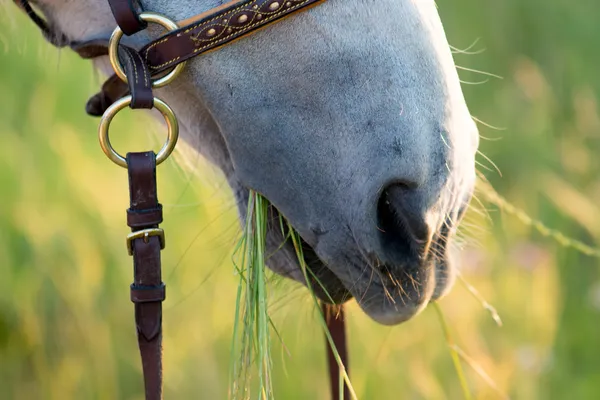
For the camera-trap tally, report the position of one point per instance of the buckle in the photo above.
(145, 234)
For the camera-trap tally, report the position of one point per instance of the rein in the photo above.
(137, 72)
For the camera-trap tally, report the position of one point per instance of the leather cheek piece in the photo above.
(138, 78)
(126, 16)
(139, 82)
(142, 181)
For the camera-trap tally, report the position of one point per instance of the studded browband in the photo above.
(196, 35)
(206, 32)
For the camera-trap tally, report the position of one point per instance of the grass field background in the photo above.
(66, 329)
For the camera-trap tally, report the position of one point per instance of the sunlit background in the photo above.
(66, 321)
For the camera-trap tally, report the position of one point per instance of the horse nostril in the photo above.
(400, 221)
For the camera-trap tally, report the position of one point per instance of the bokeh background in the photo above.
(66, 329)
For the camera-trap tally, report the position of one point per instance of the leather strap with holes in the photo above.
(147, 290)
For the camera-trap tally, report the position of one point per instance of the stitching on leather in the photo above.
(144, 69)
(130, 58)
(270, 16)
(241, 31)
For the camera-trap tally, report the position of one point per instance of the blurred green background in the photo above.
(66, 329)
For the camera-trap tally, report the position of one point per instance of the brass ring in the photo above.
(115, 38)
(109, 114)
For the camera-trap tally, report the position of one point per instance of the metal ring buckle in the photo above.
(109, 114)
(145, 234)
(115, 38)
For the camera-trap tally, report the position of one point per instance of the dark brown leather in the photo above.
(138, 78)
(126, 16)
(148, 295)
(141, 218)
(147, 290)
(217, 29)
(336, 323)
(196, 37)
(112, 90)
(138, 83)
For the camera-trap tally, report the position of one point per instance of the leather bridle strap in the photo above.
(126, 15)
(145, 244)
(216, 28)
(138, 78)
(198, 35)
(336, 324)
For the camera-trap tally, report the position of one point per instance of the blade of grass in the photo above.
(455, 358)
(322, 322)
(264, 352)
(487, 191)
(480, 371)
(475, 293)
(251, 313)
(239, 370)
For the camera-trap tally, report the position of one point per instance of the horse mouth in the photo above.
(388, 293)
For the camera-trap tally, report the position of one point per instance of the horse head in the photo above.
(349, 118)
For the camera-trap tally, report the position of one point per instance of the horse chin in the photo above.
(389, 298)
(399, 296)
(390, 294)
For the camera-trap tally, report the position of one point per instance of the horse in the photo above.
(349, 118)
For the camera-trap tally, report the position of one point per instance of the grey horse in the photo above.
(349, 118)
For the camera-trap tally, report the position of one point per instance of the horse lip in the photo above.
(393, 293)
(401, 290)
(365, 285)
(353, 279)
(392, 317)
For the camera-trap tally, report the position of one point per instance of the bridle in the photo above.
(137, 72)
